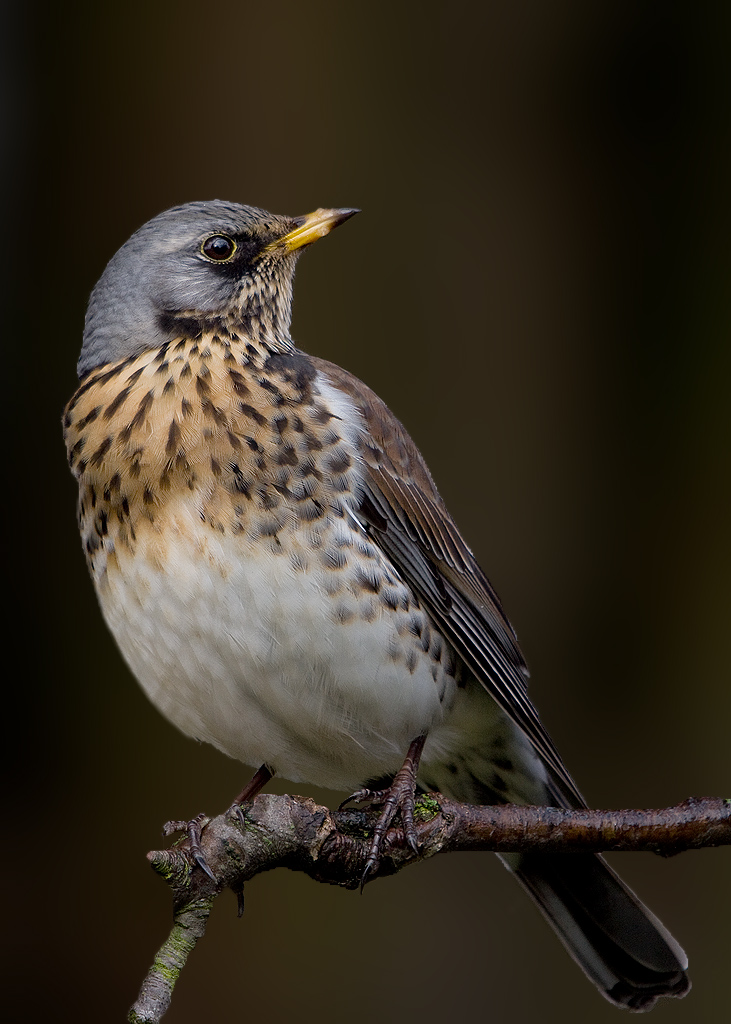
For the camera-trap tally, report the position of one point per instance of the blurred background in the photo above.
(539, 287)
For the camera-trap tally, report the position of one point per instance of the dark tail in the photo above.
(620, 945)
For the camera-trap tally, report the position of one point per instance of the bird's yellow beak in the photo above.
(309, 228)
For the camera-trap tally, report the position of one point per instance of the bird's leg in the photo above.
(397, 799)
(257, 782)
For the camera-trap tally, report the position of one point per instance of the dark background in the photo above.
(539, 287)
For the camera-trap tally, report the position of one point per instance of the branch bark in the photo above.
(331, 846)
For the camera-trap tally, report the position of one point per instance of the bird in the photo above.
(273, 558)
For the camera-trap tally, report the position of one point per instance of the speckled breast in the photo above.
(245, 436)
(218, 488)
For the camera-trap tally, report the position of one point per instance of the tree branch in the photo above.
(331, 846)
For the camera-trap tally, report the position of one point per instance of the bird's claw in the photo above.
(364, 796)
(194, 829)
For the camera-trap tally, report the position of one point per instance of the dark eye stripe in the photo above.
(218, 248)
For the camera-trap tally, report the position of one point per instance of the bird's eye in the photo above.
(218, 248)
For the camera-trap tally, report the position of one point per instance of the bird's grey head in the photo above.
(207, 264)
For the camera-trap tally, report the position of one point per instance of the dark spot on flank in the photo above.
(391, 599)
(125, 507)
(393, 649)
(334, 558)
(425, 638)
(173, 442)
(416, 625)
(340, 483)
(148, 496)
(116, 402)
(241, 484)
(139, 417)
(269, 500)
(437, 647)
(339, 461)
(125, 433)
(344, 615)
(253, 444)
(98, 456)
(268, 385)
(311, 443)
(90, 417)
(308, 468)
(503, 763)
(238, 382)
(286, 456)
(209, 409)
(321, 414)
(298, 561)
(162, 353)
(252, 413)
(106, 375)
(280, 422)
(303, 490)
(77, 448)
(202, 386)
(233, 440)
(186, 407)
(369, 580)
(310, 511)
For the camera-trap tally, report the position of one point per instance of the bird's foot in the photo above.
(397, 799)
(194, 829)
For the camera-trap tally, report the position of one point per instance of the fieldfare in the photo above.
(273, 558)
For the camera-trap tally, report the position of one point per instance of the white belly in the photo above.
(279, 658)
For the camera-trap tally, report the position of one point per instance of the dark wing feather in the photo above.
(411, 524)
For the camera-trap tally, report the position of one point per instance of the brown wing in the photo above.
(411, 524)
